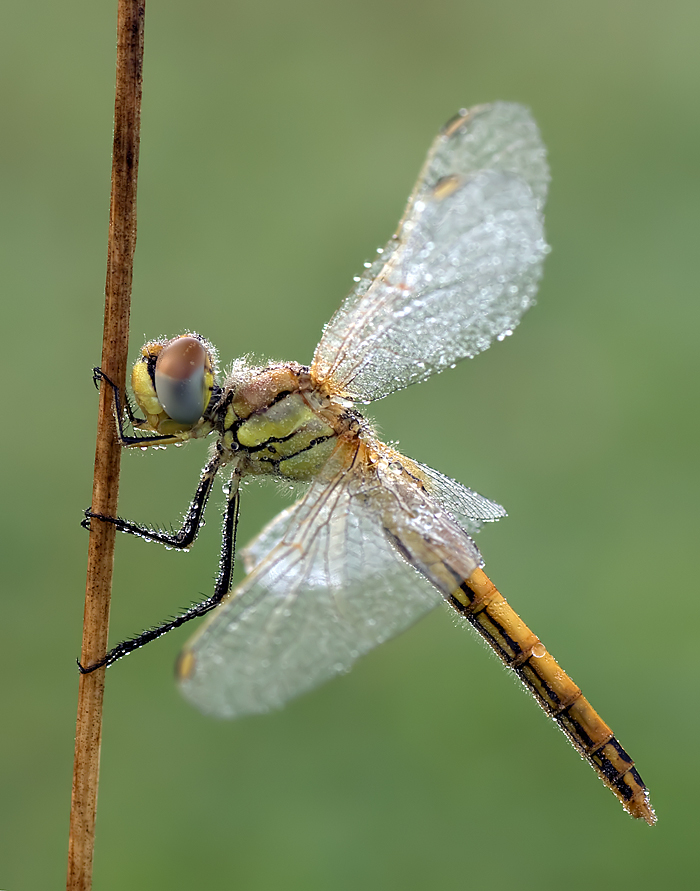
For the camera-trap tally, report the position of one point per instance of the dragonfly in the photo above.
(378, 539)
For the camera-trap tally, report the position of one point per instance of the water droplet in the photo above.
(539, 650)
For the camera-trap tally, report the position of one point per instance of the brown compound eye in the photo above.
(183, 379)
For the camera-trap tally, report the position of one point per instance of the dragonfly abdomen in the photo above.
(480, 602)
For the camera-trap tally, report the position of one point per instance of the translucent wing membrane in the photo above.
(329, 587)
(470, 509)
(462, 268)
(330, 578)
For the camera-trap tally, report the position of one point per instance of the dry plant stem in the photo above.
(120, 253)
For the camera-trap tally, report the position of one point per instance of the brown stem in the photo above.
(120, 254)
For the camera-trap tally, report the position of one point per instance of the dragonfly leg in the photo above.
(221, 588)
(120, 410)
(187, 533)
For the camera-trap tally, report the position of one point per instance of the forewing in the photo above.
(462, 268)
(329, 588)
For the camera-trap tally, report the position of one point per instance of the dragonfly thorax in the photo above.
(276, 423)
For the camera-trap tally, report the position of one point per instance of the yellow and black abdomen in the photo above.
(479, 601)
(287, 438)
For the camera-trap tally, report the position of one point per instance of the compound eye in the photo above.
(182, 379)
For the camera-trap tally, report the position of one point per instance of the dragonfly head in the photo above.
(173, 382)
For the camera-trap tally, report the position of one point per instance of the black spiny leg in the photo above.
(221, 588)
(185, 536)
(137, 423)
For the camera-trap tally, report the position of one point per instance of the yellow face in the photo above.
(173, 382)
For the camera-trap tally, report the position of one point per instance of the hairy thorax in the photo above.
(276, 422)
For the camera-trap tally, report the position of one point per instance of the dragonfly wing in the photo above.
(329, 588)
(470, 509)
(270, 536)
(462, 268)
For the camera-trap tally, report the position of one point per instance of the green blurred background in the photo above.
(279, 143)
